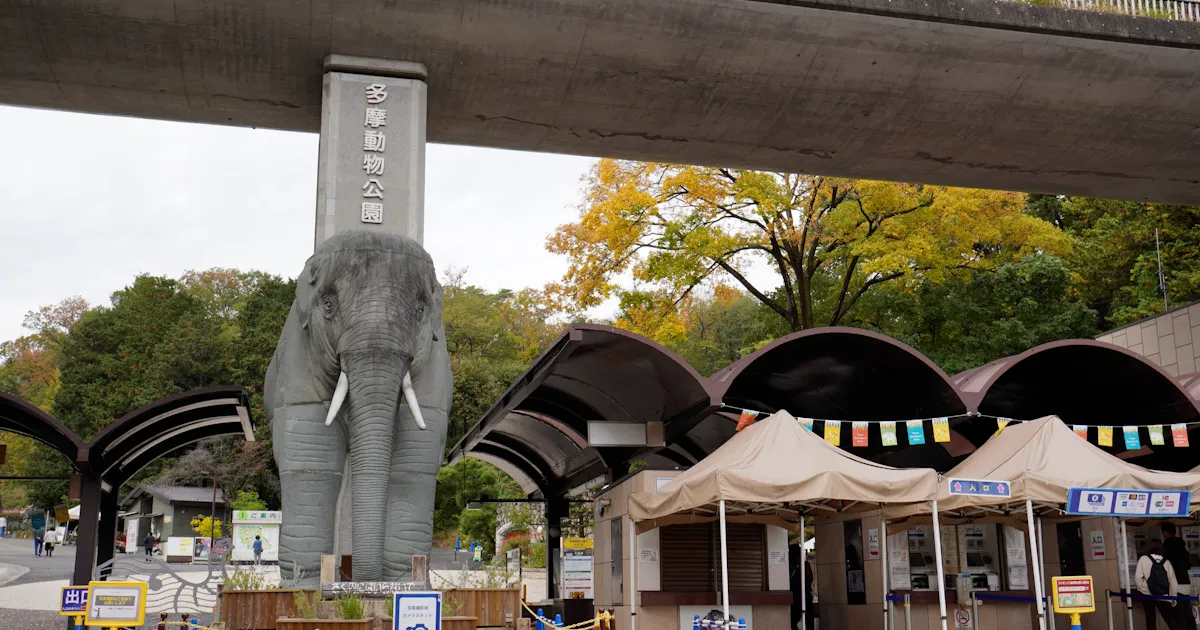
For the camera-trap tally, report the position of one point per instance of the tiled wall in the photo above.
(1171, 340)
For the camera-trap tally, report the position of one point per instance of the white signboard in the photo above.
(898, 562)
(577, 566)
(181, 546)
(1018, 574)
(872, 544)
(133, 537)
(1098, 550)
(413, 609)
(243, 541)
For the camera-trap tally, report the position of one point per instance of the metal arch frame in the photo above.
(978, 398)
(517, 461)
(25, 419)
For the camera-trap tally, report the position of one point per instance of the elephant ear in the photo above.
(306, 287)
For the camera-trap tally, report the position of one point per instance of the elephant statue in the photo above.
(361, 369)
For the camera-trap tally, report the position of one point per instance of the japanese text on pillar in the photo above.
(374, 159)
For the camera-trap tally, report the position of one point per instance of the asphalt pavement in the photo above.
(16, 554)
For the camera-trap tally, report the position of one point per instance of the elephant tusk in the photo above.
(339, 396)
(411, 397)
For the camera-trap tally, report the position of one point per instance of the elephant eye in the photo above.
(327, 304)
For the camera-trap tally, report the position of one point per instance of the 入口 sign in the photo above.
(980, 487)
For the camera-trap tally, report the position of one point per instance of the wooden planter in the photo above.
(256, 610)
(487, 605)
(325, 624)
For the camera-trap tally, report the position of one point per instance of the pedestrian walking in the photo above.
(3, 527)
(1176, 552)
(37, 542)
(148, 542)
(48, 541)
(258, 547)
(1156, 577)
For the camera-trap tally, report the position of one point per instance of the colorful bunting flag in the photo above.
(1133, 440)
(1105, 436)
(887, 433)
(859, 434)
(1000, 424)
(941, 429)
(806, 423)
(1179, 434)
(747, 418)
(916, 432)
(1156, 434)
(1080, 430)
(833, 432)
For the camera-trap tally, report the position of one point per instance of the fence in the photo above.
(1180, 10)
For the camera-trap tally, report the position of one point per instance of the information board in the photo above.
(980, 487)
(246, 525)
(73, 601)
(577, 565)
(417, 610)
(1128, 503)
(1073, 594)
(116, 604)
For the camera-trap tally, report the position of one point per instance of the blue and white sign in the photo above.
(980, 488)
(74, 600)
(1126, 503)
(417, 610)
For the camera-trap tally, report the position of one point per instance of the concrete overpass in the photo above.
(963, 92)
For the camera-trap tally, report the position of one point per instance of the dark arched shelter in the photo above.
(850, 374)
(1092, 383)
(122, 449)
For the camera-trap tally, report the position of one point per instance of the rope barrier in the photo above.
(185, 625)
(895, 598)
(1160, 598)
(985, 596)
(603, 618)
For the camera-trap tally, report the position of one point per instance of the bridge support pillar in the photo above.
(371, 171)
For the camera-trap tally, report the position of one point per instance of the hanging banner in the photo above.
(1133, 440)
(859, 434)
(887, 433)
(1126, 503)
(1179, 434)
(1156, 434)
(806, 423)
(941, 430)
(950, 555)
(1014, 545)
(1104, 436)
(979, 487)
(897, 546)
(833, 432)
(1080, 430)
(916, 432)
(1000, 424)
(746, 419)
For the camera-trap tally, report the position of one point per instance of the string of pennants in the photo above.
(914, 430)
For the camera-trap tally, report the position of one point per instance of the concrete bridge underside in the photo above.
(971, 93)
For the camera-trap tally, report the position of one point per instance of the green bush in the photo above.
(306, 608)
(241, 580)
(350, 607)
(537, 556)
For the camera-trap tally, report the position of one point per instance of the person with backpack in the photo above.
(1156, 577)
(1176, 552)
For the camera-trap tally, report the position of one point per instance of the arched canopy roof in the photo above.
(163, 426)
(839, 373)
(21, 417)
(593, 373)
(1086, 382)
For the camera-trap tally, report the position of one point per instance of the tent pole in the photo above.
(1125, 572)
(1037, 572)
(633, 571)
(803, 583)
(1042, 557)
(937, 548)
(725, 564)
(883, 558)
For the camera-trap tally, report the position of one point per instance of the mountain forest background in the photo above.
(712, 263)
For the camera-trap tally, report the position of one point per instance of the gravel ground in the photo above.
(40, 620)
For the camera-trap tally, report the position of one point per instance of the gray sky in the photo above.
(88, 202)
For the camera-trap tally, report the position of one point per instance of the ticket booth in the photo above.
(677, 572)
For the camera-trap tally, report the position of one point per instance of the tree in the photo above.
(965, 323)
(247, 500)
(230, 464)
(828, 242)
(470, 480)
(207, 527)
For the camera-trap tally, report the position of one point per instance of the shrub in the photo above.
(306, 608)
(350, 607)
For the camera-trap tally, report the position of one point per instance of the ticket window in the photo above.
(856, 589)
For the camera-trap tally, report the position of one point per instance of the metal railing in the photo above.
(1180, 10)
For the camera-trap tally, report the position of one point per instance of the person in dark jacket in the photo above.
(1176, 552)
(149, 542)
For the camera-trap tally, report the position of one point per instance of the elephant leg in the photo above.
(415, 464)
(311, 458)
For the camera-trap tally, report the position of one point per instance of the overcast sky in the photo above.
(88, 202)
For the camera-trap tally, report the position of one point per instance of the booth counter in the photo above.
(677, 575)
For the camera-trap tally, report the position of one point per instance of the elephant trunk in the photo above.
(375, 376)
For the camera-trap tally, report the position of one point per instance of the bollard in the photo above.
(1108, 600)
(558, 620)
(907, 611)
(696, 622)
(162, 621)
(540, 625)
(741, 623)
(974, 612)
(195, 623)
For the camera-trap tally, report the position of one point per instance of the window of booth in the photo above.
(691, 557)
(856, 587)
(1070, 548)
